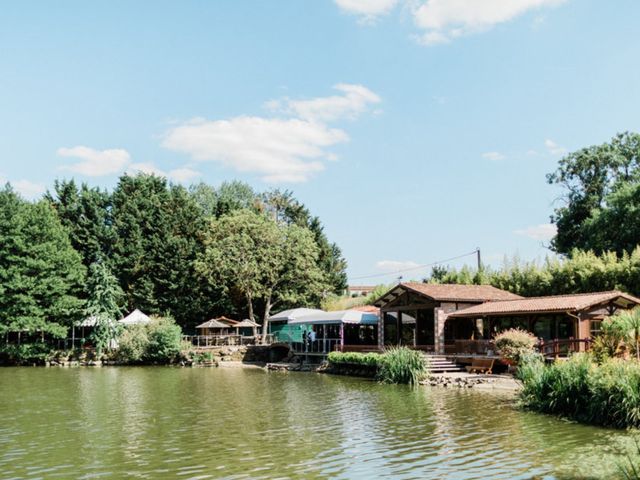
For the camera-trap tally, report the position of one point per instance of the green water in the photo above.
(225, 423)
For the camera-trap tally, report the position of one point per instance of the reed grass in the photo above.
(580, 389)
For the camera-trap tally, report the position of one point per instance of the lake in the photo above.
(198, 423)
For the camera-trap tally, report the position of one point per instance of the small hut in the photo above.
(213, 327)
(245, 325)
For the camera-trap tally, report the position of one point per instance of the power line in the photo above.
(419, 267)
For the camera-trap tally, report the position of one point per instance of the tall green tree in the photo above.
(103, 304)
(158, 237)
(86, 213)
(600, 185)
(263, 260)
(41, 275)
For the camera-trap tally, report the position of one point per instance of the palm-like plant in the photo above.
(629, 322)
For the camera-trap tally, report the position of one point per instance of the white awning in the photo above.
(350, 317)
(293, 314)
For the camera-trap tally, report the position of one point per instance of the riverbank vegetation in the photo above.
(170, 251)
(606, 394)
(601, 387)
(396, 365)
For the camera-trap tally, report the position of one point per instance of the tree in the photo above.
(41, 275)
(262, 260)
(86, 213)
(599, 183)
(158, 237)
(103, 304)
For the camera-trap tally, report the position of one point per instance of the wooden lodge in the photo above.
(462, 320)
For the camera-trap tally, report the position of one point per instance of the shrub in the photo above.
(514, 343)
(160, 341)
(580, 389)
(132, 344)
(165, 340)
(354, 358)
(402, 365)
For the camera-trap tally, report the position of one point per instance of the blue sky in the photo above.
(416, 129)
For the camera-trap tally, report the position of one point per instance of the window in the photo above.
(595, 327)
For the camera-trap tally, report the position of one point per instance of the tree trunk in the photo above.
(265, 320)
(250, 306)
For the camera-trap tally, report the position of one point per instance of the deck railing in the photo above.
(204, 341)
(471, 347)
(318, 346)
(563, 347)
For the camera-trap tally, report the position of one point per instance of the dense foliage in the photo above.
(601, 202)
(156, 342)
(41, 275)
(355, 358)
(580, 389)
(262, 259)
(514, 343)
(581, 272)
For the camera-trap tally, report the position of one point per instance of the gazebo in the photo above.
(213, 327)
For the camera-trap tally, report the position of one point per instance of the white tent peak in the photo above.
(135, 318)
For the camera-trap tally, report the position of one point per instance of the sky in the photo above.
(417, 130)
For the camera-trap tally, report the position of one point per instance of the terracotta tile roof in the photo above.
(366, 309)
(451, 292)
(559, 303)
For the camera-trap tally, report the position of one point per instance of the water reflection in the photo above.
(223, 423)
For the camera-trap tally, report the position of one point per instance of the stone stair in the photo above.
(440, 364)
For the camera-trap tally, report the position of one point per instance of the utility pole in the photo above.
(479, 260)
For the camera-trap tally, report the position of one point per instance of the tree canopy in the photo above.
(263, 260)
(601, 197)
(41, 274)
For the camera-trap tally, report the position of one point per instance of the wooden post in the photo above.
(324, 338)
(341, 337)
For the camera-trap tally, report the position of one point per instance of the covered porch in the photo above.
(563, 324)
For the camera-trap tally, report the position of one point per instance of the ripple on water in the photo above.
(209, 423)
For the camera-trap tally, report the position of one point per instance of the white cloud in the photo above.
(392, 266)
(277, 149)
(354, 101)
(545, 231)
(367, 10)
(95, 163)
(494, 156)
(554, 148)
(444, 20)
(181, 175)
(28, 189)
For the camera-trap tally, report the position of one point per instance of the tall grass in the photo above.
(578, 388)
(402, 365)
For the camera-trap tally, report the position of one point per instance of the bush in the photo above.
(165, 340)
(580, 389)
(157, 342)
(402, 365)
(132, 344)
(514, 343)
(354, 358)
(24, 354)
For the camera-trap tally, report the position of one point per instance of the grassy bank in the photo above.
(606, 394)
(396, 365)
